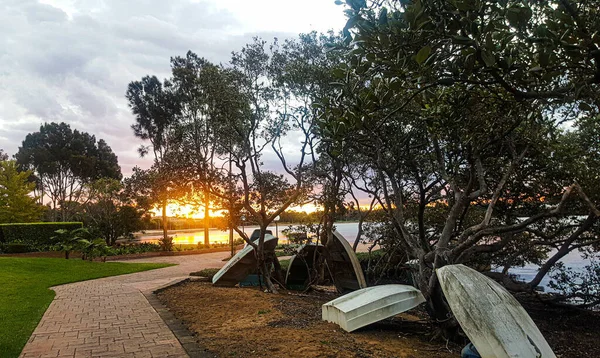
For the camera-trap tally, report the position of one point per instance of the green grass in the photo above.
(364, 256)
(284, 264)
(25, 293)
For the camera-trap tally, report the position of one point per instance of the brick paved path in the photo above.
(110, 317)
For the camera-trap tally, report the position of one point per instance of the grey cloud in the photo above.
(37, 12)
(73, 63)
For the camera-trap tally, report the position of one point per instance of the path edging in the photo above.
(185, 337)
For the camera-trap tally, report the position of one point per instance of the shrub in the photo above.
(134, 249)
(68, 241)
(166, 243)
(95, 248)
(37, 235)
(15, 248)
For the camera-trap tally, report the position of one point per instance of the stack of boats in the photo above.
(497, 325)
(490, 316)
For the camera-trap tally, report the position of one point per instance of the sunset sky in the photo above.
(71, 60)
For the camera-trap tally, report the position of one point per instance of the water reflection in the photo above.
(349, 231)
(194, 237)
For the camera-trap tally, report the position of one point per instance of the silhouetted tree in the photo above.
(63, 161)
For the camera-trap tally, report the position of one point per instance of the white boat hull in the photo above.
(495, 322)
(241, 264)
(369, 305)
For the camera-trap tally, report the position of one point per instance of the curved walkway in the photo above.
(110, 317)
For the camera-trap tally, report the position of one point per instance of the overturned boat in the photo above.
(369, 305)
(301, 265)
(242, 264)
(344, 265)
(495, 322)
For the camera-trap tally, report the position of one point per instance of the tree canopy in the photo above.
(16, 203)
(63, 161)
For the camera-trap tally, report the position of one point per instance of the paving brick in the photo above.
(110, 317)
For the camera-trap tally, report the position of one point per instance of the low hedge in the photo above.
(14, 248)
(37, 235)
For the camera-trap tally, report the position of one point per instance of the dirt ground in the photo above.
(572, 333)
(245, 322)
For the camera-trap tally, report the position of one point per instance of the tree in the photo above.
(267, 118)
(16, 203)
(63, 161)
(208, 100)
(145, 188)
(3, 156)
(456, 109)
(110, 213)
(157, 109)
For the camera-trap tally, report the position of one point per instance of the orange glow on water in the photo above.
(185, 211)
(191, 212)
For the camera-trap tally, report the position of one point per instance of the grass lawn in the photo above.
(25, 293)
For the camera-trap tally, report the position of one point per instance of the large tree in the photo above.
(273, 113)
(456, 109)
(16, 203)
(157, 109)
(209, 102)
(63, 161)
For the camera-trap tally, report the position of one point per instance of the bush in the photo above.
(15, 248)
(37, 235)
(134, 249)
(166, 243)
(95, 248)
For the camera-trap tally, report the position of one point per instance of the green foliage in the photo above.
(71, 240)
(452, 115)
(26, 295)
(134, 249)
(15, 248)
(111, 212)
(38, 235)
(156, 108)
(63, 161)
(166, 243)
(16, 205)
(94, 248)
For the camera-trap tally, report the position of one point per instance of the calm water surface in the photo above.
(348, 230)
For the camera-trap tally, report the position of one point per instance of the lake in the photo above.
(348, 230)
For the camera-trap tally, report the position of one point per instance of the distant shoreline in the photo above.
(160, 231)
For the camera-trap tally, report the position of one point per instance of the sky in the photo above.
(71, 60)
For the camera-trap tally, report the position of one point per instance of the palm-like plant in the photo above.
(68, 241)
(91, 249)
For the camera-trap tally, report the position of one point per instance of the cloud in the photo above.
(71, 60)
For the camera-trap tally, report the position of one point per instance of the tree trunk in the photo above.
(206, 219)
(67, 254)
(358, 234)
(164, 220)
(263, 265)
(436, 305)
